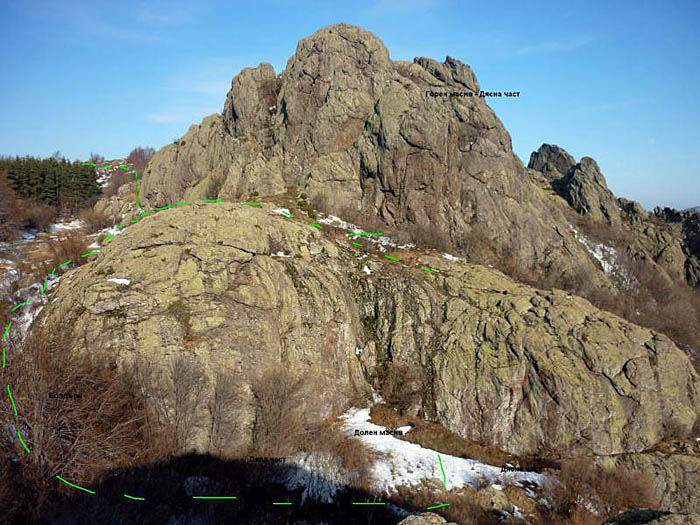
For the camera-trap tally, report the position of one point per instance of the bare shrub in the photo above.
(115, 181)
(189, 383)
(69, 247)
(223, 410)
(79, 438)
(38, 215)
(611, 490)
(140, 156)
(278, 425)
(402, 386)
(466, 507)
(95, 220)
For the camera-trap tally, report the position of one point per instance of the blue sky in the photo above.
(617, 81)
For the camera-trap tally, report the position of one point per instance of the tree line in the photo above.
(67, 186)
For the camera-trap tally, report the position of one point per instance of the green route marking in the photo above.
(365, 233)
(43, 290)
(89, 164)
(370, 503)
(134, 220)
(91, 253)
(429, 270)
(67, 262)
(123, 168)
(14, 407)
(281, 503)
(4, 350)
(23, 443)
(108, 239)
(287, 214)
(75, 486)
(444, 479)
(135, 498)
(163, 208)
(7, 331)
(213, 200)
(182, 204)
(392, 258)
(19, 305)
(317, 225)
(357, 244)
(252, 203)
(122, 226)
(438, 506)
(214, 497)
(53, 272)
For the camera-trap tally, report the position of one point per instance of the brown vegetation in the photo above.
(94, 220)
(68, 247)
(78, 439)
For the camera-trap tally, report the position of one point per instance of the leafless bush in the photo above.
(116, 180)
(224, 410)
(402, 386)
(69, 247)
(278, 425)
(139, 157)
(95, 220)
(78, 438)
(38, 215)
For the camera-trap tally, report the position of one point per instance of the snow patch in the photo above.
(63, 226)
(280, 254)
(120, 281)
(282, 211)
(404, 463)
(366, 270)
(451, 257)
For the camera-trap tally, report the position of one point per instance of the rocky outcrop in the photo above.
(553, 161)
(353, 129)
(653, 517)
(237, 289)
(426, 518)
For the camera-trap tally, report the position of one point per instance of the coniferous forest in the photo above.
(57, 182)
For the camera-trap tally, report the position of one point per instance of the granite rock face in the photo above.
(350, 127)
(520, 368)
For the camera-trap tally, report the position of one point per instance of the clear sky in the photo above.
(617, 81)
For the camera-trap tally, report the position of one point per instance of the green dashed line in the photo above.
(23, 443)
(90, 253)
(67, 262)
(214, 497)
(108, 239)
(20, 305)
(75, 486)
(365, 233)
(428, 270)
(14, 407)
(135, 498)
(122, 226)
(317, 225)
(182, 204)
(287, 214)
(252, 203)
(281, 503)
(357, 244)
(123, 168)
(134, 220)
(163, 208)
(4, 351)
(438, 506)
(43, 290)
(7, 331)
(392, 258)
(444, 478)
(53, 272)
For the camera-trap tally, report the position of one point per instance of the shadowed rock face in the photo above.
(346, 123)
(520, 368)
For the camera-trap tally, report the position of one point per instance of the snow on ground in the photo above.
(62, 226)
(280, 254)
(119, 281)
(283, 211)
(451, 257)
(366, 270)
(94, 245)
(405, 463)
(607, 256)
(382, 240)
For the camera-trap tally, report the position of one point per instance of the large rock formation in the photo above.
(516, 367)
(358, 131)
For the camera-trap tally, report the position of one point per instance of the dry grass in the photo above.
(78, 439)
(69, 247)
(95, 220)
